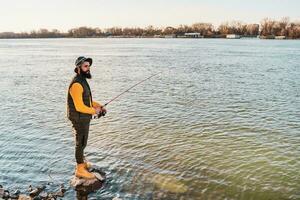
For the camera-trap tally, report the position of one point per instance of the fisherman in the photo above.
(80, 109)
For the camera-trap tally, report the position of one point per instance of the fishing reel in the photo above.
(97, 116)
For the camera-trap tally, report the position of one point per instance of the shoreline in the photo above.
(152, 37)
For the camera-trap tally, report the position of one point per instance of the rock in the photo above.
(4, 194)
(24, 197)
(116, 198)
(62, 188)
(37, 198)
(169, 183)
(1, 192)
(17, 192)
(29, 188)
(43, 195)
(51, 197)
(13, 196)
(36, 191)
(34, 194)
(86, 186)
(58, 194)
(98, 173)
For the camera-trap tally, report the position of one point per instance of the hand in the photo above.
(103, 110)
(97, 109)
(96, 106)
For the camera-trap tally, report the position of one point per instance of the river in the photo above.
(221, 121)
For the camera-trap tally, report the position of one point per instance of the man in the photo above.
(80, 108)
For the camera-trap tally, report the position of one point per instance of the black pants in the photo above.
(81, 133)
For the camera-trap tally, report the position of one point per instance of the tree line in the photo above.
(268, 28)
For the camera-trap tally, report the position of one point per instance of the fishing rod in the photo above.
(116, 97)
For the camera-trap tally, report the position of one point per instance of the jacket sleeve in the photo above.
(96, 104)
(76, 91)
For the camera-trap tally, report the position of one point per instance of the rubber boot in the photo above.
(88, 164)
(81, 172)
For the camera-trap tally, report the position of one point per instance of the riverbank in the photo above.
(166, 37)
(267, 29)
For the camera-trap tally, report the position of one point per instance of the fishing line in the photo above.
(129, 89)
(116, 97)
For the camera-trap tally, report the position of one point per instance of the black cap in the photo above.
(82, 59)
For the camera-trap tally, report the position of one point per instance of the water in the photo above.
(222, 121)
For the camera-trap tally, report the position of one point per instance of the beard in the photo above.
(86, 74)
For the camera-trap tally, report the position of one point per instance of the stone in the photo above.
(36, 191)
(17, 192)
(1, 192)
(86, 186)
(24, 197)
(43, 195)
(4, 193)
(37, 198)
(116, 198)
(169, 183)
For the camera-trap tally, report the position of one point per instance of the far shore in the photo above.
(267, 29)
(163, 37)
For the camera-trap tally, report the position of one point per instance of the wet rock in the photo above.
(35, 192)
(13, 196)
(62, 188)
(116, 198)
(86, 186)
(37, 198)
(58, 194)
(51, 197)
(43, 195)
(29, 188)
(169, 183)
(17, 192)
(24, 197)
(4, 194)
(1, 192)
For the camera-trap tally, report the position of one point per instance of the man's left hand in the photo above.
(102, 110)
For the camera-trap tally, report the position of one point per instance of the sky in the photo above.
(27, 15)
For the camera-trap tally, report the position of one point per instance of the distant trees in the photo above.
(132, 32)
(293, 30)
(169, 31)
(205, 29)
(239, 28)
(252, 29)
(182, 29)
(230, 28)
(268, 28)
(84, 32)
(42, 33)
(283, 27)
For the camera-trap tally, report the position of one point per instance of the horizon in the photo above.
(34, 15)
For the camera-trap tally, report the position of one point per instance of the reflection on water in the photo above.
(221, 122)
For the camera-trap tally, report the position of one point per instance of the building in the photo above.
(171, 36)
(281, 37)
(193, 35)
(233, 36)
